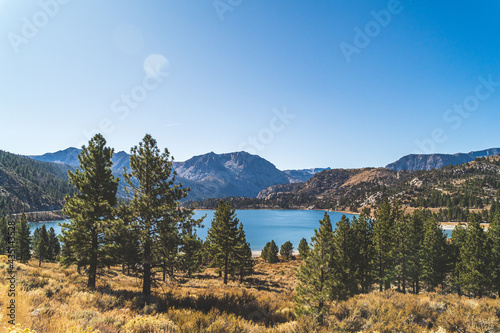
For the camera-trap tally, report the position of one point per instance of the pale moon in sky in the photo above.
(155, 64)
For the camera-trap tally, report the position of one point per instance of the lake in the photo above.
(261, 226)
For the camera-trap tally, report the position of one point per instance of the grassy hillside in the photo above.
(29, 185)
(52, 299)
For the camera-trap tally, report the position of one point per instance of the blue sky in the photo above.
(300, 83)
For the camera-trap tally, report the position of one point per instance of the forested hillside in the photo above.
(29, 185)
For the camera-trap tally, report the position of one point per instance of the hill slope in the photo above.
(451, 190)
(29, 185)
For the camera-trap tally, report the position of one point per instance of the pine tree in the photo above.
(127, 241)
(54, 245)
(458, 236)
(247, 262)
(155, 208)
(314, 288)
(286, 250)
(265, 251)
(22, 243)
(244, 261)
(474, 260)
(223, 243)
(433, 255)
(344, 275)
(191, 249)
(362, 228)
(494, 240)
(383, 236)
(41, 244)
(303, 249)
(270, 252)
(87, 237)
(414, 238)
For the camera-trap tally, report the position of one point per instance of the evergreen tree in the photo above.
(265, 251)
(41, 244)
(414, 239)
(383, 236)
(314, 288)
(344, 276)
(286, 250)
(244, 261)
(270, 252)
(433, 255)
(223, 242)
(191, 249)
(155, 208)
(127, 248)
(474, 260)
(54, 245)
(458, 236)
(303, 249)
(22, 242)
(494, 241)
(362, 229)
(87, 237)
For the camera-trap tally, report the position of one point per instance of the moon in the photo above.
(156, 64)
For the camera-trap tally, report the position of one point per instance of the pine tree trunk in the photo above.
(146, 283)
(93, 262)
(225, 270)
(241, 274)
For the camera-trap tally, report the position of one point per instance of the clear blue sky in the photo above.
(218, 75)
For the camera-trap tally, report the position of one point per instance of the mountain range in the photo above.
(209, 176)
(436, 161)
(40, 182)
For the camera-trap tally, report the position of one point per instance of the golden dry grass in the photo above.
(53, 299)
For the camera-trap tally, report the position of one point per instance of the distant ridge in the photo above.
(416, 162)
(209, 175)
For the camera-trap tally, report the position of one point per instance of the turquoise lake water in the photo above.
(261, 226)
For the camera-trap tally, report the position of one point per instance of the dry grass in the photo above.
(52, 299)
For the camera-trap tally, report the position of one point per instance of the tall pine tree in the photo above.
(383, 237)
(314, 288)
(434, 260)
(22, 244)
(223, 241)
(41, 242)
(474, 260)
(494, 240)
(88, 236)
(155, 208)
(362, 229)
(344, 248)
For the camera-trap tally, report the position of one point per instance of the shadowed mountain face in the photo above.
(69, 157)
(210, 175)
(436, 161)
(28, 185)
